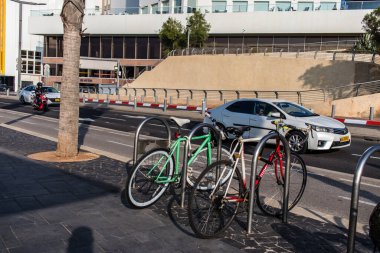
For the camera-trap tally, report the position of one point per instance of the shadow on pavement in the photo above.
(81, 240)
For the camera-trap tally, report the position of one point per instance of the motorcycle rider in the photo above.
(38, 93)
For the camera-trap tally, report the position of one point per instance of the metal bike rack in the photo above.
(355, 196)
(257, 151)
(164, 122)
(186, 152)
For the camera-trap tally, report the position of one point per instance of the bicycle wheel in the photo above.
(209, 211)
(143, 188)
(271, 186)
(200, 163)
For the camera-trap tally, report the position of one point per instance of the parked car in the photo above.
(3, 87)
(53, 95)
(327, 133)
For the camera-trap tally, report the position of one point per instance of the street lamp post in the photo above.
(21, 3)
(188, 40)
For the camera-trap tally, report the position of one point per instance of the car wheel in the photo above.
(22, 100)
(297, 142)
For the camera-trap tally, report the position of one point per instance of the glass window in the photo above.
(261, 6)
(327, 6)
(296, 43)
(235, 42)
(221, 42)
(142, 48)
(242, 107)
(280, 43)
(177, 6)
(129, 44)
(49, 89)
(38, 55)
(265, 42)
(154, 48)
(305, 6)
(53, 69)
(209, 42)
(95, 47)
(264, 109)
(165, 6)
(37, 67)
(283, 6)
(52, 47)
(219, 6)
(60, 46)
(23, 67)
(23, 54)
(130, 72)
(192, 4)
(30, 67)
(240, 6)
(59, 69)
(84, 47)
(118, 47)
(294, 110)
(106, 47)
(83, 72)
(144, 10)
(155, 9)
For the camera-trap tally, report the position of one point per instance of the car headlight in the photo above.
(322, 129)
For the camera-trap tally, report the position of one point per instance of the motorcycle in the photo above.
(40, 102)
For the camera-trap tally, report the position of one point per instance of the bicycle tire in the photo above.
(223, 211)
(200, 163)
(269, 191)
(138, 196)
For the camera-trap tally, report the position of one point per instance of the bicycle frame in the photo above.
(176, 148)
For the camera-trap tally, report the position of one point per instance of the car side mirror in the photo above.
(275, 115)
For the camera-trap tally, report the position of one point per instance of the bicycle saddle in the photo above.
(180, 122)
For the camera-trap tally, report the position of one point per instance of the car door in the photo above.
(238, 113)
(262, 119)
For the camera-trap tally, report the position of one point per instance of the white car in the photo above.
(326, 133)
(53, 95)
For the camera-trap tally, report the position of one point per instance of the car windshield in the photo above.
(295, 110)
(49, 90)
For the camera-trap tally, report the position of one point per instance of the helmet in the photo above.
(39, 84)
(374, 226)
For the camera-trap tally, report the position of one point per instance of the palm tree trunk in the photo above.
(72, 18)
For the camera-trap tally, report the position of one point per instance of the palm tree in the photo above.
(72, 18)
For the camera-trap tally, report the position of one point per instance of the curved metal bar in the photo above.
(139, 130)
(256, 154)
(186, 153)
(355, 196)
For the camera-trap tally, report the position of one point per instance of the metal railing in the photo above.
(214, 97)
(237, 8)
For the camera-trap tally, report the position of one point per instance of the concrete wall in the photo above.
(255, 72)
(356, 107)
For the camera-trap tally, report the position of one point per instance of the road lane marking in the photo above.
(5, 103)
(174, 127)
(86, 119)
(350, 180)
(27, 122)
(360, 201)
(104, 117)
(121, 143)
(373, 157)
(136, 117)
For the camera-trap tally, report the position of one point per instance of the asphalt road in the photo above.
(342, 160)
(327, 193)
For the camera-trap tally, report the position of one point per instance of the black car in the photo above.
(3, 87)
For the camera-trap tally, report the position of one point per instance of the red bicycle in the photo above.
(213, 203)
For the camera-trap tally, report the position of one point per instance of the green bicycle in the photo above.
(158, 168)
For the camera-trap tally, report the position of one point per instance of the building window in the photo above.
(84, 46)
(52, 47)
(38, 55)
(37, 68)
(305, 6)
(142, 48)
(283, 6)
(129, 45)
(219, 6)
(95, 47)
(221, 42)
(165, 7)
(106, 47)
(240, 6)
(192, 5)
(23, 54)
(154, 48)
(60, 47)
(155, 9)
(177, 6)
(145, 10)
(118, 47)
(327, 6)
(261, 6)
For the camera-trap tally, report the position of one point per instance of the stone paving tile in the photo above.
(78, 206)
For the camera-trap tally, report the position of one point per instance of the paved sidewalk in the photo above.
(79, 207)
